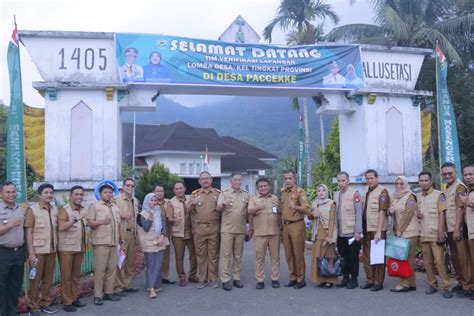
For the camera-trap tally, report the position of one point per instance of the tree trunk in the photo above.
(306, 140)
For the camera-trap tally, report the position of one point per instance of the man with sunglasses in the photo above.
(455, 192)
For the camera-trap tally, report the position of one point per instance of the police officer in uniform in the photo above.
(72, 245)
(468, 200)
(377, 202)
(103, 217)
(42, 241)
(265, 220)
(232, 203)
(206, 228)
(128, 205)
(294, 207)
(455, 192)
(12, 249)
(181, 232)
(431, 212)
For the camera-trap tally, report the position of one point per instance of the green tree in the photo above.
(158, 173)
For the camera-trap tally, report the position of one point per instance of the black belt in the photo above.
(12, 249)
(292, 222)
(130, 230)
(207, 223)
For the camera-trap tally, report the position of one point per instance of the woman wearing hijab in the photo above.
(403, 209)
(153, 240)
(324, 234)
(155, 70)
(352, 81)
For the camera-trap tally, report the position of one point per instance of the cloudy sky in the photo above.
(204, 19)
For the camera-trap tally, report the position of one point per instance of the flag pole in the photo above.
(437, 104)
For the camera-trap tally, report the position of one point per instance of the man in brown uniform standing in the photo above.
(162, 202)
(206, 229)
(181, 232)
(431, 212)
(233, 205)
(294, 206)
(264, 218)
(468, 173)
(41, 239)
(128, 206)
(71, 247)
(455, 192)
(377, 202)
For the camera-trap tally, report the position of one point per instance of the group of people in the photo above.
(214, 226)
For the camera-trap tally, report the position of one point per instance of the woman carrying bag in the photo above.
(152, 234)
(403, 208)
(324, 234)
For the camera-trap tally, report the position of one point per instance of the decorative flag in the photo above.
(301, 152)
(33, 122)
(447, 130)
(15, 138)
(425, 131)
(206, 157)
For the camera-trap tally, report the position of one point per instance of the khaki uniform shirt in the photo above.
(429, 223)
(383, 202)
(234, 216)
(128, 206)
(15, 237)
(63, 218)
(162, 204)
(205, 208)
(297, 196)
(172, 213)
(30, 221)
(267, 221)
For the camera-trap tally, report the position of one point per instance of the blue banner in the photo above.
(152, 59)
(301, 153)
(447, 129)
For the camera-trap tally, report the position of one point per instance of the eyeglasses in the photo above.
(130, 185)
(447, 173)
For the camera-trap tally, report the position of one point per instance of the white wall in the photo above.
(173, 161)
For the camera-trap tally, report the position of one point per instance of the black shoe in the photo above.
(412, 288)
(400, 290)
(352, 284)
(447, 294)
(457, 288)
(377, 287)
(133, 290)
(166, 281)
(121, 294)
(366, 286)
(465, 294)
(300, 285)
(431, 290)
(78, 303)
(275, 284)
(238, 284)
(48, 310)
(69, 308)
(292, 283)
(111, 297)
(327, 285)
(98, 301)
(226, 286)
(343, 283)
(260, 286)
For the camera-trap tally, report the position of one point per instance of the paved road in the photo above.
(175, 300)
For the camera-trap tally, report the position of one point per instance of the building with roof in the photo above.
(181, 148)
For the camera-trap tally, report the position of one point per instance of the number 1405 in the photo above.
(84, 58)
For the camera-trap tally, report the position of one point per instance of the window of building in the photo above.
(182, 168)
(191, 168)
(198, 168)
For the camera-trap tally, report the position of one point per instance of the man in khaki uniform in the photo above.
(376, 204)
(162, 202)
(431, 212)
(468, 200)
(71, 247)
(12, 249)
(294, 206)
(128, 206)
(41, 239)
(179, 219)
(455, 192)
(265, 221)
(233, 204)
(206, 228)
(103, 217)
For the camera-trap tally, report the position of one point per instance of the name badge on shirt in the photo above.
(274, 209)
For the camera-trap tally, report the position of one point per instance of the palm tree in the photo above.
(298, 16)
(415, 23)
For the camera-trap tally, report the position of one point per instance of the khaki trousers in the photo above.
(179, 245)
(124, 276)
(70, 264)
(433, 254)
(470, 244)
(460, 260)
(207, 253)
(165, 273)
(294, 235)
(411, 281)
(375, 273)
(262, 243)
(105, 262)
(232, 247)
(320, 251)
(44, 274)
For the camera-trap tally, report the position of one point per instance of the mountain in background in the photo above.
(265, 122)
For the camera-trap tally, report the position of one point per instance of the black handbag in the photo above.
(330, 266)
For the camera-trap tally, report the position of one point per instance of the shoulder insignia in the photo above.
(282, 189)
(195, 191)
(382, 197)
(357, 197)
(411, 201)
(217, 190)
(442, 198)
